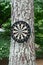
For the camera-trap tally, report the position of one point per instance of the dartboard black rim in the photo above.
(27, 34)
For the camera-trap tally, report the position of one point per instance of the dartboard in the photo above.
(20, 31)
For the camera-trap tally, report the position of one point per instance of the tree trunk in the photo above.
(22, 53)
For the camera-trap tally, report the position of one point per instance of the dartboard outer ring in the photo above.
(25, 39)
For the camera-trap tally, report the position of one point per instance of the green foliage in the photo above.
(5, 15)
(5, 12)
(38, 11)
(4, 45)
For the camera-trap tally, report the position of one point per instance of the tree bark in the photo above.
(22, 53)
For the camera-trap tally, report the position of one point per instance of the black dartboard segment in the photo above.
(21, 31)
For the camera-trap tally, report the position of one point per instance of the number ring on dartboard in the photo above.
(20, 31)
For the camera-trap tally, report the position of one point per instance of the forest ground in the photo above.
(5, 62)
(39, 62)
